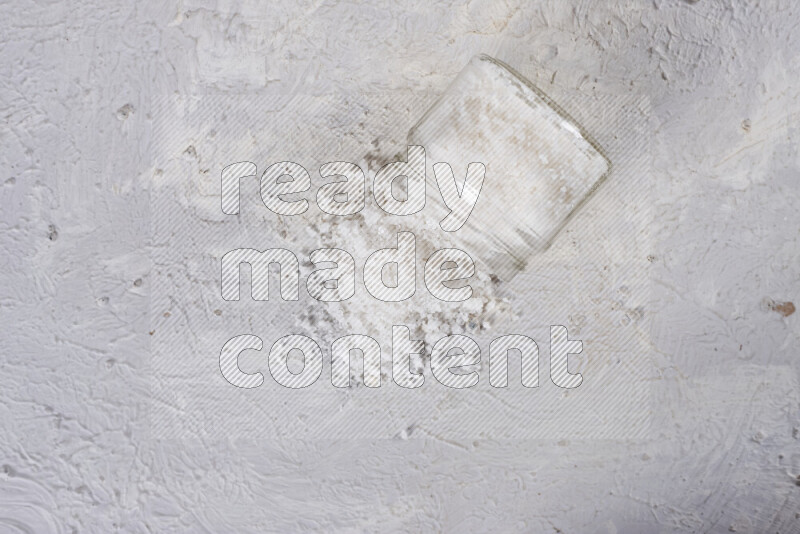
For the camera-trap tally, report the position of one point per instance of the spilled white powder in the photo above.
(428, 318)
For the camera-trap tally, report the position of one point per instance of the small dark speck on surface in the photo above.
(52, 232)
(784, 308)
(746, 124)
(137, 282)
(375, 160)
(125, 111)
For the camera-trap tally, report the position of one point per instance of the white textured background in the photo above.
(76, 88)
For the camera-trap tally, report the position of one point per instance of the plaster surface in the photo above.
(78, 83)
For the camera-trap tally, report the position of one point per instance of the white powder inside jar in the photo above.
(539, 164)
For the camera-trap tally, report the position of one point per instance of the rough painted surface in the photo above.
(77, 83)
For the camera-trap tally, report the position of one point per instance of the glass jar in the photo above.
(539, 163)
